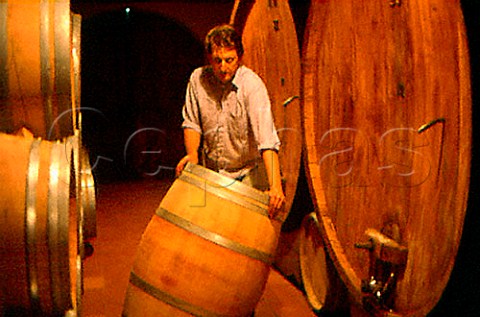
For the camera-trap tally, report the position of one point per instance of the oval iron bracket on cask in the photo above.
(395, 3)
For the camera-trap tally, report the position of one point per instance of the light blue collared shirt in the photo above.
(235, 120)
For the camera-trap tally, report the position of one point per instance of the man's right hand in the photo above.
(181, 165)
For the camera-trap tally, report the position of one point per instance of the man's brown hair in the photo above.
(224, 35)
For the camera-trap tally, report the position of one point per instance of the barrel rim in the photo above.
(58, 219)
(227, 182)
(310, 223)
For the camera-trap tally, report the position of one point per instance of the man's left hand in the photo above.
(276, 208)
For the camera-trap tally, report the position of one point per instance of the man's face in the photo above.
(225, 62)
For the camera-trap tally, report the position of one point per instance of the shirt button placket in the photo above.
(221, 132)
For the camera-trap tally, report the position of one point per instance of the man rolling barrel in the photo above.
(228, 110)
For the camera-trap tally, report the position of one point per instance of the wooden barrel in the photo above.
(271, 50)
(37, 269)
(207, 251)
(323, 288)
(387, 121)
(36, 67)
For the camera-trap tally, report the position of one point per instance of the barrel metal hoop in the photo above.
(222, 192)
(168, 298)
(214, 237)
(31, 223)
(57, 223)
(222, 181)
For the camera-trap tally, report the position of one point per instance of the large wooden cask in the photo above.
(37, 67)
(272, 51)
(206, 252)
(387, 120)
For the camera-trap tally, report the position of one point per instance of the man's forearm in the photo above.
(272, 167)
(277, 197)
(192, 142)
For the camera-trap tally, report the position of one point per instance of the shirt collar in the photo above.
(237, 78)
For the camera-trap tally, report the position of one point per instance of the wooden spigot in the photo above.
(387, 261)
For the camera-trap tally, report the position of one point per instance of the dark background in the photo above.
(139, 81)
(462, 295)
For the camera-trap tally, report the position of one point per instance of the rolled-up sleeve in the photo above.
(190, 111)
(261, 117)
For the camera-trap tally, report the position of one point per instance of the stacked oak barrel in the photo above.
(48, 197)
